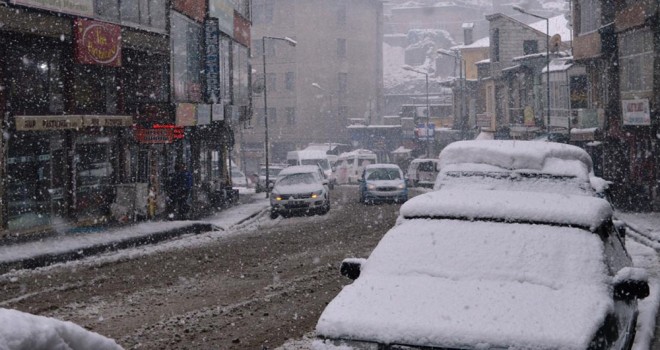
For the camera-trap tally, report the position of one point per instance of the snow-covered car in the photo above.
(383, 183)
(489, 269)
(274, 171)
(300, 189)
(518, 166)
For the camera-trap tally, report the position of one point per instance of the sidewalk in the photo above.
(60, 248)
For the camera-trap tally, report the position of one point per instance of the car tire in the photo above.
(273, 215)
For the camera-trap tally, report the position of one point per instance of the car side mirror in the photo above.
(326, 182)
(631, 283)
(351, 267)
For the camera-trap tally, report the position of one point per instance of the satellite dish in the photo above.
(555, 42)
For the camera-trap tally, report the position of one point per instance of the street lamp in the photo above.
(428, 108)
(462, 76)
(263, 45)
(547, 60)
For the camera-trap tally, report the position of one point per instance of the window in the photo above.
(342, 79)
(290, 115)
(530, 47)
(97, 95)
(341, 14)
(271, 82)
(146, 78)
(341, 48)
(290, 81)
(241, 70)
(150, 13)
(636, 61)
(496, 45)
(590, 13)
(186, 59)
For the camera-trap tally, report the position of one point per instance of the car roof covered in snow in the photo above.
(382, 166)
(512, 155)
(510, 206)
(308, 154)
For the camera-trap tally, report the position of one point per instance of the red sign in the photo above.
(159, 133)
(97, 43)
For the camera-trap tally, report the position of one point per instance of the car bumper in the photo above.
(297, 205)
(386, 196)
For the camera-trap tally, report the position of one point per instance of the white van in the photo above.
(422, 172)
(312, 157)
(350, 165)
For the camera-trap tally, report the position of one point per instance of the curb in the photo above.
(156, 237)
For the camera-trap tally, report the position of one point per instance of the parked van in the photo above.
(350, 165)
(423, 172)
(312, 157)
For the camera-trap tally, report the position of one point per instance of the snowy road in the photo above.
(251, 289)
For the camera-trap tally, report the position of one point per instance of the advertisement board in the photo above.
(424, 133)
(212, 64)
(186, 114)
(636, 112)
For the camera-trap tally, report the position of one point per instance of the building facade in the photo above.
(615, 42)
(333, 74)
(99, 100)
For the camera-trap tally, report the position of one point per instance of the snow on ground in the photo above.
(23, 331)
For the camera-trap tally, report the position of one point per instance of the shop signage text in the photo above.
(212, 37)
(97, 43)
(64, 122)
(159, 134)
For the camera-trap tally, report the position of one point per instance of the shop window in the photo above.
(186, 59)
(35, 78)
(95, 90)
(149, 13)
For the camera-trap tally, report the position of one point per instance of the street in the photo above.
(252, 290)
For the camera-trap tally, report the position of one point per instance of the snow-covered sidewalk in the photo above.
(67, 247)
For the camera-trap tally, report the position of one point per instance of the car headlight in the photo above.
(402, 185)
(316, 194)
(371, 186)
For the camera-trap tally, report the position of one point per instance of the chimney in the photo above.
(468, 28)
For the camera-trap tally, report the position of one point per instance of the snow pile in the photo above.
(22, 331)
(465, 284)
(513, 206)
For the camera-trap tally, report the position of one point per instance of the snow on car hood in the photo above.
(299, 188)
(452, 283)
(510, 206)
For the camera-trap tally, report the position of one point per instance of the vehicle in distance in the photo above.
(489, 269)
(300, 189)
(422, 172)
(350, 165)
(383, 183)
(238, 178)
(312, 157)
(273, 172)
(534, 166)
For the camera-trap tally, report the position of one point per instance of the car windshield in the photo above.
(383, 174)
(297, 179)
(323, 163)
